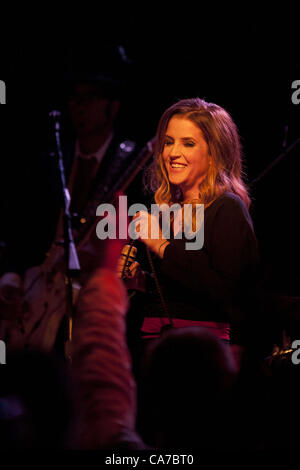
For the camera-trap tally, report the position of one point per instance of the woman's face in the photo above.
(186, 155)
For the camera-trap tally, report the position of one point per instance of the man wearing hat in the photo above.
(95, 159)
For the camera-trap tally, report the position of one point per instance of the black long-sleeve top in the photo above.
(215, 283)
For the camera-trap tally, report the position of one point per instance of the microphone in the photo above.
(128, 256)
(55, 116)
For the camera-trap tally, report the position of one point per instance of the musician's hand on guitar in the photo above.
(11, 295)
(10, 287)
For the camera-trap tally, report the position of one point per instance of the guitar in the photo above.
(44, 287)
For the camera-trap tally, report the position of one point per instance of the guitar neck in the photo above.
(82, 235)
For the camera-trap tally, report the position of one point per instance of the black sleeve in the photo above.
(228, 251)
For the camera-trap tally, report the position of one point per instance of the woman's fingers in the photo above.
(133, 269)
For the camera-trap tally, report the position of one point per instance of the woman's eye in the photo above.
(167, 142)
(189, 144)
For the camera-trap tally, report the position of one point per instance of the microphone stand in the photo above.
(71, 257)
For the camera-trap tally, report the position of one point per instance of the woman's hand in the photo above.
(149, 231)
(136, 278)
(133, 276)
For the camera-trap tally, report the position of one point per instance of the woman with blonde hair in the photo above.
(224, 172)
(198, 160)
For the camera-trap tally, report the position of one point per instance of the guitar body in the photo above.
(43, 305)
(43, 308)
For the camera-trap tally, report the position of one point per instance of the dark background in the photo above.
(245, 64)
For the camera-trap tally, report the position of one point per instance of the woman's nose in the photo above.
(175, 150)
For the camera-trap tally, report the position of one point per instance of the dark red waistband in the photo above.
(152, 326)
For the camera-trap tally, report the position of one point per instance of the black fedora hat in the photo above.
(105, 66)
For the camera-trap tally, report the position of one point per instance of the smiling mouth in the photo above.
(177, 165)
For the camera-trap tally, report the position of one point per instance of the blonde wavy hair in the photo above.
(221, 135)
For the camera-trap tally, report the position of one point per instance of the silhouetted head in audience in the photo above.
(36, 403)
(188, 378)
